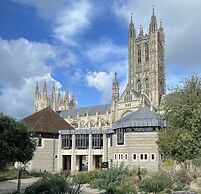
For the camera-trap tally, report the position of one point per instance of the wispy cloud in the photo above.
(105, 50)
(71, 21)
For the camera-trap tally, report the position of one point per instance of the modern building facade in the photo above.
(123, 131)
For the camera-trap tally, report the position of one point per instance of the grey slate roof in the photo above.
(86, 131)
(91, 110)
(143, 117)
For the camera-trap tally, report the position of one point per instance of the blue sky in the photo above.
(80, 44)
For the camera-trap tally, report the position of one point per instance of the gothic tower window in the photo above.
(147, 86)
(139, 54)
(146, 52)
(139, 87)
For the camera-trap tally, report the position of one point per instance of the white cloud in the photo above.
(72, 20)
(22, 63)
(21, 59)
(102, 82)
(69, 18)
(105, 50)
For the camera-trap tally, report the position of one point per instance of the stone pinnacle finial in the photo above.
(115, 79)
(45, 87)
(53, 86)
(37, 90)
(131, 17)
(153, 10)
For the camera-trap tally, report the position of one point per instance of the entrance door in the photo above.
(98, 160)
(66, 163)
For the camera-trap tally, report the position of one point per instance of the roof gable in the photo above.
(46, 121)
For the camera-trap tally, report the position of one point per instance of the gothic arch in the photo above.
(126, 113)
(139, 86)
(147, 86)
(146, 50)
(139, 54)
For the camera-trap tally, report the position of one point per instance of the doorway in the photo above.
(66, 163)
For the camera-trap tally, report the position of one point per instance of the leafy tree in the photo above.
(15, 143)
(182, 109)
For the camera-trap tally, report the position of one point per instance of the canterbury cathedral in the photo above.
(145, 87)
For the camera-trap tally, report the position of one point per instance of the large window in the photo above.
(97, 141)
(139, 54)
(120, 136)
(147, 86)
(146, 52)
(66, 142)
(81, 141)
(139, 87)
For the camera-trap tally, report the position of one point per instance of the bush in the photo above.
(113, 181)
(12, 173)
(51, 184)
(85, 177)
(37, 174)
(156, 182)
(182, 177)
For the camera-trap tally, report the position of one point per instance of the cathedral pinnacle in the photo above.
(115, 79)
(153, 23)
(45, 88)
(131, 17)
(37, 93)
(161, 26)
(66, 97)
(141, 31)
(153, 11)
(53, 87)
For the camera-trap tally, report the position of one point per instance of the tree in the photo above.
(182, 109)
(15, 143)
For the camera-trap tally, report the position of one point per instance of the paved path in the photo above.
(11, 185)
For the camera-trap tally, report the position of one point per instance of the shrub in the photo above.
(11, 173)
(51, 184)
(182, 178)
(37, 174)
(85, 177)
(156, 182)
(113, 180)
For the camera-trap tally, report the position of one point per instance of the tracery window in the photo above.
(139, 54)
(66, 142)
(147, 86)
(139, 87)
(146, 52)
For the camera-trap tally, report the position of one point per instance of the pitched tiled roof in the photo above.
(143, 117)
(91, 110)
(46, 121)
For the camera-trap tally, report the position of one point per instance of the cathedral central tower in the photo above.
(146, 61)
